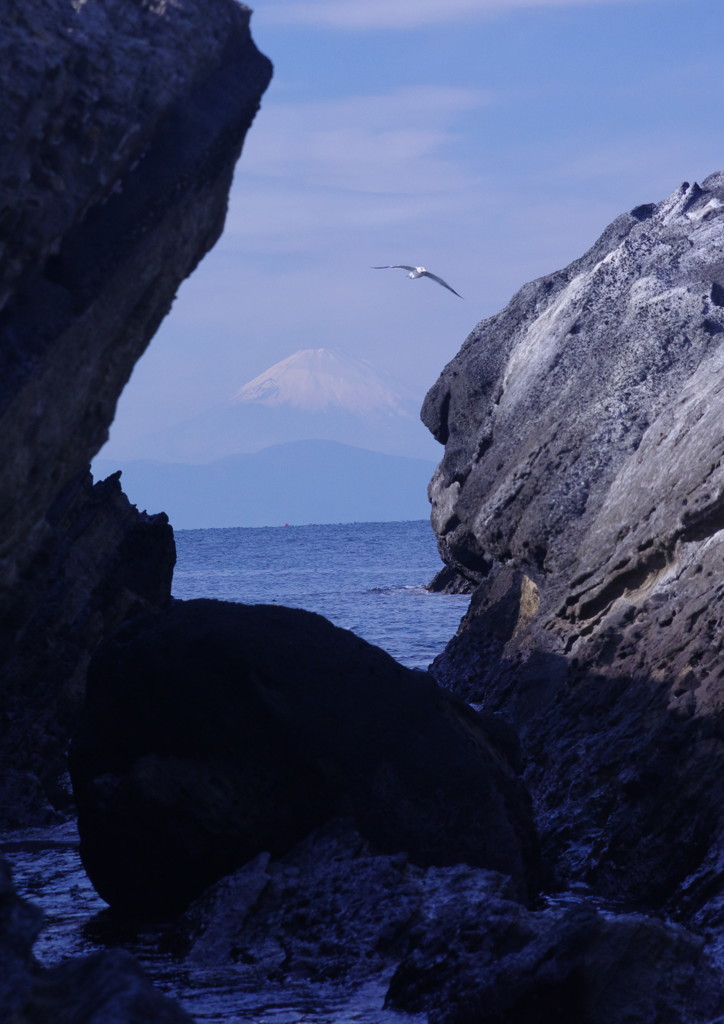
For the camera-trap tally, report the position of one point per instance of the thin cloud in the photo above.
(405, 14)
(401, 142)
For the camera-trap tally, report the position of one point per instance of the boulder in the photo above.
(215, 731)
(121, 125)
(582, 491)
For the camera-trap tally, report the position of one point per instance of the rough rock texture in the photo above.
(582, 488)
(103, 562)
(332, 910)
(95, 990)
(121, 124)
(215, 731)
(450, 942)
(19, 927)
(109, 986)
(496, 962)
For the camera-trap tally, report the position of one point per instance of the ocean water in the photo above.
(367, 577)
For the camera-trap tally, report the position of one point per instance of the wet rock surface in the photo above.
(582, 488)
(450, 943)
(103, 987)
(215, 731)
(122, 124)
(93, 990)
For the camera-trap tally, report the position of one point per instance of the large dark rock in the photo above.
(121, 125)
(582, 489)
(103, 562)
(213, 732)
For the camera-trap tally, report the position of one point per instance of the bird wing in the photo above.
(395, 266)
(443, 283)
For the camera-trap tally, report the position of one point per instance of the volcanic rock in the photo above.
(334, 909)
(102, 561)
(450, 942)
(213, 732)
(582, 490)
(121, 125)
(496, 961)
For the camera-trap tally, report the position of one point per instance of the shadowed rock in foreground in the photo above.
(213, 732)
(582, 489)
(108, 986)
(121, 122)
(450, 942)
(121, 125)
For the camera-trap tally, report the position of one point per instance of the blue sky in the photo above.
(490, 140)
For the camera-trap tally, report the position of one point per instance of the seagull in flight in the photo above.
(420, 272)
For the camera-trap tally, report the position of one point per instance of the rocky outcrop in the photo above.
(333, 910)
(496, 961)
(103, 560)
(582, 490)
(452, 943)
(213, 732)
(121, 126)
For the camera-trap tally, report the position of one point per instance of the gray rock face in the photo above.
(121, 125)
(213, 732)
(582, 488)
(126, 122)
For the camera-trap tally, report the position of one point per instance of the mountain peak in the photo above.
(318, 379)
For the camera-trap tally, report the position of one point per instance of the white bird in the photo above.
(420, 272)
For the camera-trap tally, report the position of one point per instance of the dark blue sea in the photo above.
(367, 577)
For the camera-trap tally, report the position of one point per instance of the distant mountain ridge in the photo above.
(314, 394)
(301, 482)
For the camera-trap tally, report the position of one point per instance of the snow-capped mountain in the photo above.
(314, 394)
(315, 379)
